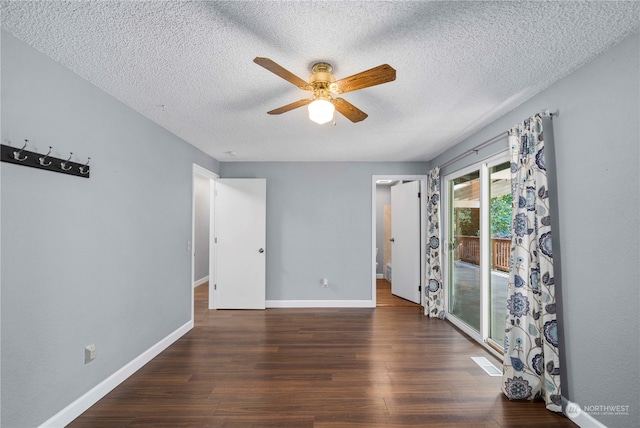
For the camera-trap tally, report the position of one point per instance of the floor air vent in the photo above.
(486, 365)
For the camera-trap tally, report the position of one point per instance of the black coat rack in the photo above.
(36, 160)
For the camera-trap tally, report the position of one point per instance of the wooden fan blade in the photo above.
(348, 110)
(291, 106)
(282, 72)
(381, 74)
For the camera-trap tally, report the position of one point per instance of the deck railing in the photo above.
(468, 250)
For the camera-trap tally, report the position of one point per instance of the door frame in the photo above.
(483, 166)
(446, 253)
(423, 240)
(199, 171)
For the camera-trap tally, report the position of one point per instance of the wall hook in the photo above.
(16, 154)
(63, 165)
(84, 169)
(44, 158)
(23, 156)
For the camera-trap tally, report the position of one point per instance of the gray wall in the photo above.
(201, 238)
(597, 144)
(383, 197)
(318, 225)
(102, 260)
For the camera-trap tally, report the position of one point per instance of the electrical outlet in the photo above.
(325, 282)
(89, 353)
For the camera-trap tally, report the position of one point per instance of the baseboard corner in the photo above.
(574, 412)
(200, 281)
(79, 406)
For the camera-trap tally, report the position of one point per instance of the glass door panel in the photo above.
(500, 232)
(464, 257)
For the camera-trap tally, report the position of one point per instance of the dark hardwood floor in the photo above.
(383, 367)
(384, 298)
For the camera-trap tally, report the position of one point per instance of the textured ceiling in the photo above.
(188, 65)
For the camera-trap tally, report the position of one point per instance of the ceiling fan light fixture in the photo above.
(322, 83)
(321, 111)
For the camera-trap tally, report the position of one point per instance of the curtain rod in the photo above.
(482, 145)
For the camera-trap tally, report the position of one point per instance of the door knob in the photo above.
(261, 250)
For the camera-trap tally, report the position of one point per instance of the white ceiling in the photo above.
(188, 65)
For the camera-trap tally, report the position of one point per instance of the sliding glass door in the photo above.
(500, 247)
(478, 236)
(465, 282)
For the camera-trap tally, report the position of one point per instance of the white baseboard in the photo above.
(75, 409)
(580, 417)
(201, 281)
(320, 304)
(379, 275)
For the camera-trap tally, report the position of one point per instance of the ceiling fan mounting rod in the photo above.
(321, 67)
(321, 77)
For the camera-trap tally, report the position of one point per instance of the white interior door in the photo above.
(405, 237)
(239, 239)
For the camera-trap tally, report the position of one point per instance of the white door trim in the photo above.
(200, 172)
(423, 241)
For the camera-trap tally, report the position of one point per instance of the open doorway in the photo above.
(201, 267)
(383, 291)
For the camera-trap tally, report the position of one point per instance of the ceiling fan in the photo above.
(323, 85)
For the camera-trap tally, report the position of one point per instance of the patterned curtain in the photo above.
(433, 293)
(531, 359)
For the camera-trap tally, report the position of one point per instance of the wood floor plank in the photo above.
(321, 368)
